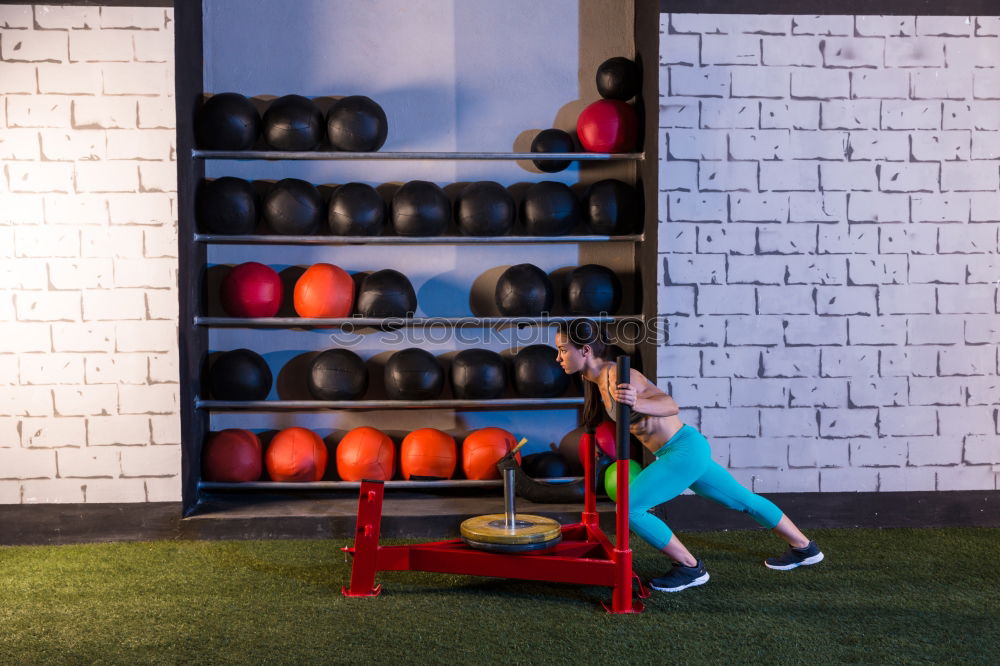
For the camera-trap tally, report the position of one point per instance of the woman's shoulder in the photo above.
(610, 372)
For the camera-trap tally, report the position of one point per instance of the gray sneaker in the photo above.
(795, 557)
(680, 578)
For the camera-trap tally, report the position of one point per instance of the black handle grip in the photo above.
(622, 412)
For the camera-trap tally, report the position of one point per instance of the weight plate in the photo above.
(528, 529)
(512, 548)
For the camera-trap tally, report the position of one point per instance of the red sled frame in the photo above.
(584, 556)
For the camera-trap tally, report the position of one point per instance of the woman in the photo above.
(683, 460)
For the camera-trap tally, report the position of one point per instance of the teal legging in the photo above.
(686, 462)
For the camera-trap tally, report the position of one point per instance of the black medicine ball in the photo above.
(485, 209)
(386, 294)
(546, 465)
(478, 374)
(420, 208)
(611, 207)
(227, 121)
(537, 373)
(293, 122)
(413, 374)
(227, 205)
(356, 124)
(552, 141)
(592, 290)
(618, 78)
(240, 374)
(550, 209)
(524, 290)
(356, 209)
(338, 374)
(293, 207)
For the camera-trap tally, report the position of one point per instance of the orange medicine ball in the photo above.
(428, 452)
(481, 451)
(324, 290)
(366, 453)
(296, 454)
(232, 455)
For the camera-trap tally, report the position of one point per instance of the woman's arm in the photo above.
(643, 395)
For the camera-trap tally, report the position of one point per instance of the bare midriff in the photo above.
(655, 431)
(652, 431)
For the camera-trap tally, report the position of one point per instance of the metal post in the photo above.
(366, 537)
(510, 516)
(587, 453)
(621, 600)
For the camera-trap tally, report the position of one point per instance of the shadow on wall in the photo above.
(495, 53)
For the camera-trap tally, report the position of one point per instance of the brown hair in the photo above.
(580, 332)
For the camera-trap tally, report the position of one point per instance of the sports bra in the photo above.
(634, 416)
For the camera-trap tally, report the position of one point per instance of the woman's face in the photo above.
(570, 357)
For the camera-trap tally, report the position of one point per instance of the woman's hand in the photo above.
(643, 396)
(626, 394)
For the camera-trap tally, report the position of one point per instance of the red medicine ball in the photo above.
(366, 453)
(481, 451)
(605, 437)
(251, 290)
(324, 290)
(232, 455)
(428, 452)
(296, 454)
(608, 126)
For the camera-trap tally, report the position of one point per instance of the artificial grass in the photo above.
(882, 596)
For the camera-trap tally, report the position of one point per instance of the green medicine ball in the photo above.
(611, 477)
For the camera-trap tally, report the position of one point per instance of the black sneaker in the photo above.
(795, 557)
(680, 578)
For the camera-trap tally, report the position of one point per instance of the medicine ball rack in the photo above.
(194, 325)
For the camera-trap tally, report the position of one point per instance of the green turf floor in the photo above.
(881, 596)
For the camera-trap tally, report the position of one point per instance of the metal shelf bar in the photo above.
(270, 405)
(251, 239)
(400, 322)
(335, 155)
(352, 485)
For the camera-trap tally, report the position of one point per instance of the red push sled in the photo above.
(584, 555)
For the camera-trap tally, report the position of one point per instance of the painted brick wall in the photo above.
(88, 240)
(829, 236)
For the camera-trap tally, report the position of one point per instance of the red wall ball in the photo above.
(482, 449)
(296, 454)
(604, 436)
(366, 453)
(324, 290)
(232, 455)
(251, 290)
(608, 126)
(428, 452)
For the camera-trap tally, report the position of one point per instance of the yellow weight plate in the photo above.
(513, 548)
(528, 528)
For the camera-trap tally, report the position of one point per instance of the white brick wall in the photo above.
(88, 281)
(835, 319)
